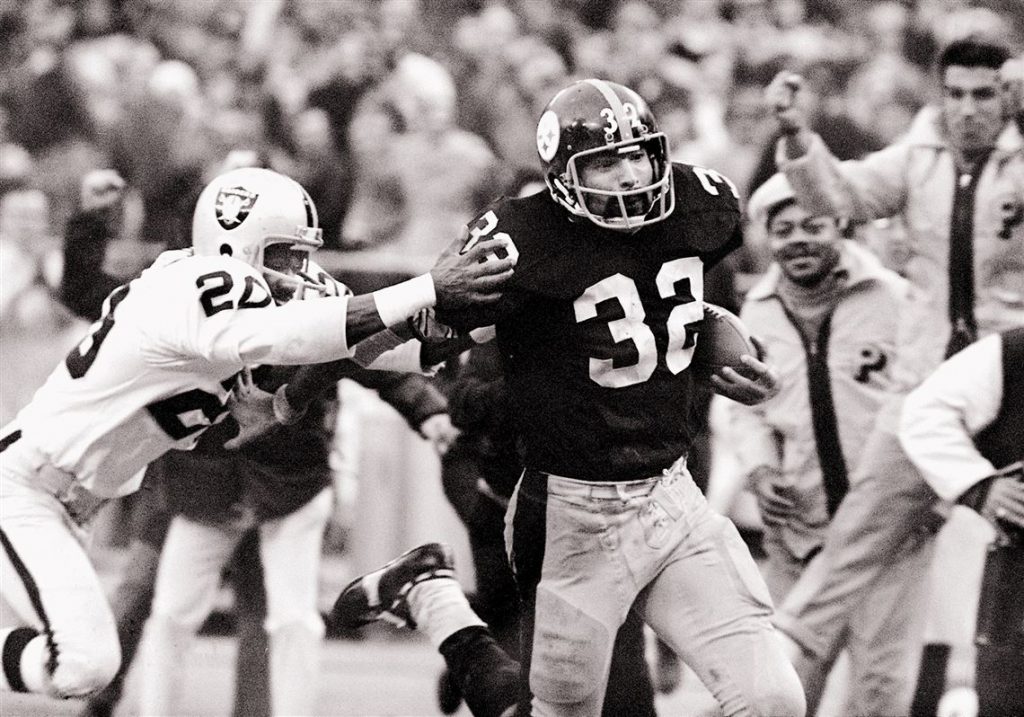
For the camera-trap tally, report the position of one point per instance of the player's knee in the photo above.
(570, 654)
(82, 672)
(780, 694)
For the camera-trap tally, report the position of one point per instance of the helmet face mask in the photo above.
(596, 118)
(243, 212)
(286, 264)
(623, 209)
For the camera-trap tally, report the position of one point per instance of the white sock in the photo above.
(440, 609)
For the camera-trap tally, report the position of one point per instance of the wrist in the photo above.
(284, 412)
(397, 303)
(424, 419)
(795, 141)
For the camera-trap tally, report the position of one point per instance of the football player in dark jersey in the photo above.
(597, 330)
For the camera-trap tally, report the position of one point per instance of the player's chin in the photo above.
(283, 293)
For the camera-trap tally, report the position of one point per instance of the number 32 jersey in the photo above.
(596, 327)
(157, 368)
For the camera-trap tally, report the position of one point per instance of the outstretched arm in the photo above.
(327, 329)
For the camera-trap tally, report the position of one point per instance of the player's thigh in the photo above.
(49, 583)
(191, 562)
(579, 603)
(712, 607)
(290, 548)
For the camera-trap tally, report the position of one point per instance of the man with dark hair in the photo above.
(957, 179)
(827, 314)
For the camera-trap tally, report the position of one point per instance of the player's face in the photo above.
(972, 106)
(625, 169)
(283, 259)
(806, 247)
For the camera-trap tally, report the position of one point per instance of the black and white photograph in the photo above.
(512, 358)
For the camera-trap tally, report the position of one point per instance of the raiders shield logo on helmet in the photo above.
(233, 206)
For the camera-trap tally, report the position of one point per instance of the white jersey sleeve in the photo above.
(942, 415)
(222, 312)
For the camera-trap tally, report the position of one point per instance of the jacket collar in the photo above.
(858, 263)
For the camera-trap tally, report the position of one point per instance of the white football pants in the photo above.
(193, 557)
(49, 585)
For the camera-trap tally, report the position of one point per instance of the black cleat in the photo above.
(381, 595)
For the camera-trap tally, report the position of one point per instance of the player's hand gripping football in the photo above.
(253, 408)
(755, 382)
(473, 277)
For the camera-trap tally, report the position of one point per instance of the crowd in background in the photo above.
(349, 96)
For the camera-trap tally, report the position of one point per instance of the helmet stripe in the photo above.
(311, 218)
(625, 126)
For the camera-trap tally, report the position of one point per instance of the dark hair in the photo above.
(973, 52)
(776, 208)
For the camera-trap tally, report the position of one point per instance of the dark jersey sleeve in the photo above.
(83, 285)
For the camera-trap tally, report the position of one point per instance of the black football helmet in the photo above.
(597, 116)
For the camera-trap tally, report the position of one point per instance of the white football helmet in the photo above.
(242, 212)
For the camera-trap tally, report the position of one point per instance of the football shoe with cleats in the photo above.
(384, 593)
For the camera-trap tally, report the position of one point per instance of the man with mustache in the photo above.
(826, 312)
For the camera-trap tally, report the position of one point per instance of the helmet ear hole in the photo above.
(226, 250)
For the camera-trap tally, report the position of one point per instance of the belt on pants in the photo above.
(79, 503)
(605, 490)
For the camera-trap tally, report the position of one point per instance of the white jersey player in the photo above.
(151, 375)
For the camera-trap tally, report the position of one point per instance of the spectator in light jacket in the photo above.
(827, 314)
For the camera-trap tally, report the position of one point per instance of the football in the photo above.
(721, 339)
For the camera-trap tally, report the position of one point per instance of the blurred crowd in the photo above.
(369, 104)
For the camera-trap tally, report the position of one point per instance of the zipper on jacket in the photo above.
(823, 412)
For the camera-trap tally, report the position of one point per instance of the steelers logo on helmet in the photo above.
(547, 135)
(233, 205)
